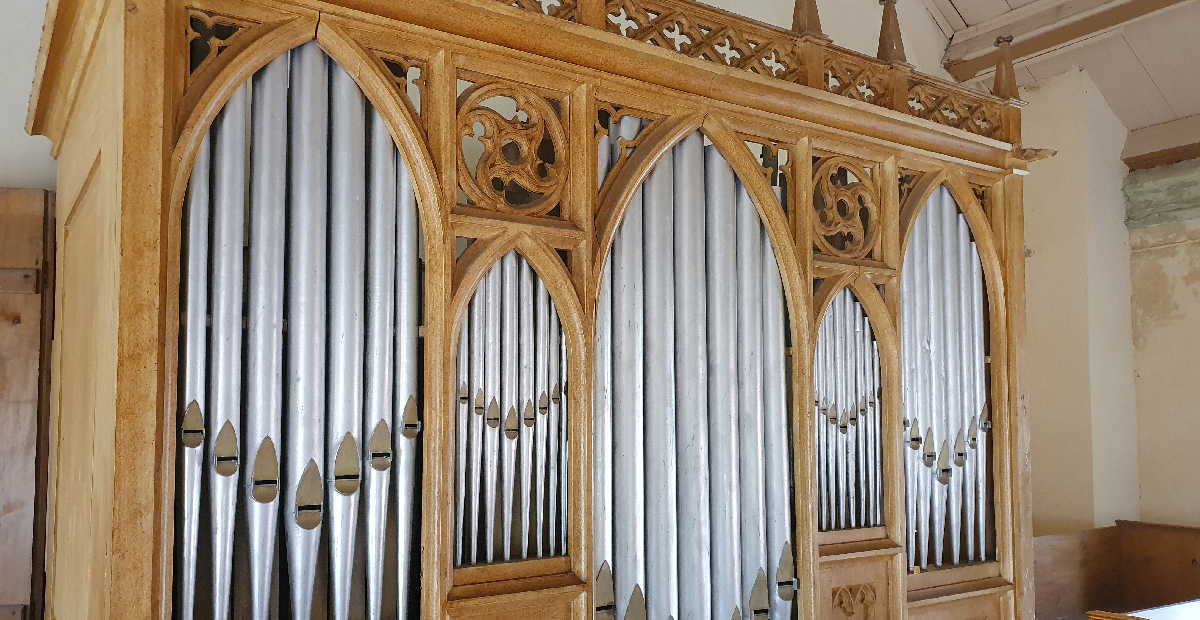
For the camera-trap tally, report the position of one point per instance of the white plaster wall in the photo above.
(25, 160)
(1079, 373)
(1166, 331)
(854, 24)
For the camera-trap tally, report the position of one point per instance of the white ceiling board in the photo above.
(1124, 82)
(978, 11)
(1168, 45)
(950, 12)
(24, 160)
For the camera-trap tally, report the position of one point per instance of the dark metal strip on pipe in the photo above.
(629, 548)
(691, 377)
(509, 397)
(966, 482)
(750, 386)
(462, 433)
(552, 422)
(225, 406)
(602, 438)
(379, 370)
(541, 426)
(776, 444)
(347, 275)
(662, 551)
(193, 402)
(264, 334)
(306, 291)
(527, 401)
(724, 484)
(406, 406)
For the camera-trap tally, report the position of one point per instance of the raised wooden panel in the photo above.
(564, 603)
(984, 606)
(857, 588)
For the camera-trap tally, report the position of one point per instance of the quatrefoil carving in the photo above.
(846, 209)
(523, 166)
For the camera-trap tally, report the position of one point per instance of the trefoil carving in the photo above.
(846, 209)
(208, 35)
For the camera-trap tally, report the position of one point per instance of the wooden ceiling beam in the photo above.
(1040, 27)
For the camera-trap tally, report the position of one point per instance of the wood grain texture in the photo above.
(1077, 572)
(1161, 564)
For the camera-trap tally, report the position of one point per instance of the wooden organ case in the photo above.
(577, 308)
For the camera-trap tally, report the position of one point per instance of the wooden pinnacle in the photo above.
(806, 20)
(1005, 86)
(891, 45)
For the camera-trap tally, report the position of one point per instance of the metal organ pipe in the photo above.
(942, 319)
(776, 447)
(304, 185)
(526, 402)
(541, 386)
(552, 422)
(510, 398)
(264, 323)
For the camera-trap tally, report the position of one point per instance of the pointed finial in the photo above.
(891, 45)
(1005, 86)
(806, 20)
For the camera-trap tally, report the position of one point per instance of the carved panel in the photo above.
(856, 601)
(208, 35)
(622, 130)
(563, 9)
(721, 38)
(981, 194)
(846, 222)
(942, 106)
(523, 166)
(856, 78)
(408, 78)
(908, 181)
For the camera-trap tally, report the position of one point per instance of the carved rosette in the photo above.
(208, 35)
(845, 222)
(523, 165)
(850, 77)
(946, 108)
(856, 599)
(737, 44)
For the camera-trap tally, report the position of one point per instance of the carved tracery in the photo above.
(851, 600)
(523, 165)
(563, 9)
(947, 108)
(209, 35)
(856, 79)
(846, 209)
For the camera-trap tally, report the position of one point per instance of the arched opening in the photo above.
(300, 356)
(692, 475)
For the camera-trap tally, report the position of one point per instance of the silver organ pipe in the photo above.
(264, 325)
(193, 368)
(846, 390)
(318, 331)
(347, 272)
(696, 316)
(564, 458)
(944, 388)
(514, 362)
(225, 302)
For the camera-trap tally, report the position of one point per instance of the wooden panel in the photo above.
(841, 584)
(21, 212)
(1077, 572)
(556, 604)
(1161, 564)
(984, 606)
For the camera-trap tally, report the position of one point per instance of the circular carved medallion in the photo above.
(846, 211)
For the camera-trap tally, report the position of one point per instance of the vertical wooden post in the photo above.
(891, 44)
(1005, 86)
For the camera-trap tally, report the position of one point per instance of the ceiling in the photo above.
(1142, 55)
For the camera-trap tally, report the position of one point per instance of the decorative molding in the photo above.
(855, 78)
(933, 103)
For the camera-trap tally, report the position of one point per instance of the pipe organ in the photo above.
(470, 309)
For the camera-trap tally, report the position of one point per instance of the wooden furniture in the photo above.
(126, 91)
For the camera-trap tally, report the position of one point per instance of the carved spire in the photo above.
(1005, 86)
(891, 45)
(806, 20)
